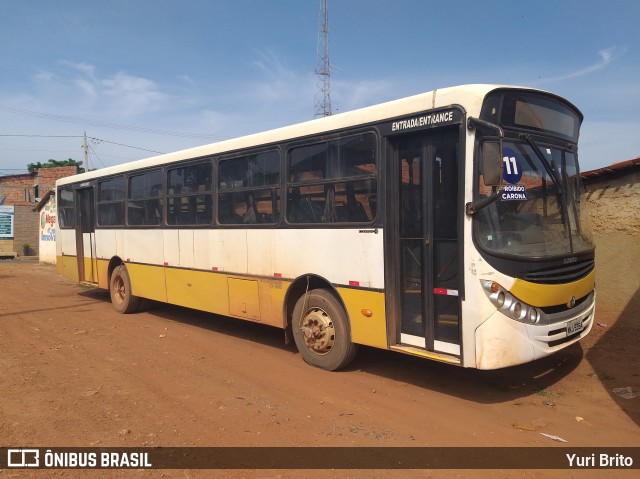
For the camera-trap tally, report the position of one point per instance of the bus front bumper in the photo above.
(502, 341)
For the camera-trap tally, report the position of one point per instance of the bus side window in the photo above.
(153, 207)
(111, 201)
(373, 205)
(189, 195)
(333, 181)
(250, 216)
(66, 206)
(144, 201)
(248, 189)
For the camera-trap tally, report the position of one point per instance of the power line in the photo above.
(70, 119)
(45, 136)
(81, 136)
(126, 146)
(33, 149)
(96, 155)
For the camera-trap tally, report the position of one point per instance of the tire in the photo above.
(321, 331)
(120, 290)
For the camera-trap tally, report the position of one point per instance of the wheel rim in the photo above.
(318, 331)
(119, 289)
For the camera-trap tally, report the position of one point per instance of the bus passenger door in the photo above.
(85, 237)
(427, 266)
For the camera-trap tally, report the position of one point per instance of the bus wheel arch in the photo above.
(120, 288)
(113, 264)
(319, 323)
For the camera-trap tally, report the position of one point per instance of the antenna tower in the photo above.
(323, 70)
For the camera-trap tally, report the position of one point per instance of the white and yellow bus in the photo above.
(449, 225)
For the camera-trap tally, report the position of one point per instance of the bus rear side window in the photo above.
(111, 196)
(66, 208)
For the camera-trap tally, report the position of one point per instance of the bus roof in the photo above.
(468, 96)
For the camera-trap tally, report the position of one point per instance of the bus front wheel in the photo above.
(120, 289)
(321, 331)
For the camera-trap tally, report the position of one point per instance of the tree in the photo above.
(31, 167)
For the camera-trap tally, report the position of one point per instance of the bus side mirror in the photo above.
(492, 163)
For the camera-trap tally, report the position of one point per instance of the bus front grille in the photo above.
(561, 274)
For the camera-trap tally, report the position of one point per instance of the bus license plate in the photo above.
(574, 326)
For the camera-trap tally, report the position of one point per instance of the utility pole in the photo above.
(85, 147)
(323, 69)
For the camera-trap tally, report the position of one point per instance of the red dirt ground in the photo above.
(75, 373)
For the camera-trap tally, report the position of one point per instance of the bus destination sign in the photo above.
(427, 120)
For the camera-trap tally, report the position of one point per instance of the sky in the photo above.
(141, 77)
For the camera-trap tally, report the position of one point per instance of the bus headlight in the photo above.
(509, 304)
(517, 310)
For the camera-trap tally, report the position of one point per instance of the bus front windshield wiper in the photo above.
(551, 171)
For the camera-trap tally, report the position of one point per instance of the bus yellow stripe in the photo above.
(370, 331)
(147, 281)
(67, 266)
(541, 295)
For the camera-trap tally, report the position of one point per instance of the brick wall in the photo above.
(47, 177)
(25, 229)
(17, 189)
(20, 191)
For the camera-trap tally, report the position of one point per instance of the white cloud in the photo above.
(271, 64)
(607, 56)
(79, 86)
(132, 95)
(212, 121)
(87, 87)
(186, 79)
(44, 77)
(358, 94)
(84, 68)
(276, 82)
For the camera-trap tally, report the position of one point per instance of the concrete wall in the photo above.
(48, 229)
(6, 246)
(614, 201)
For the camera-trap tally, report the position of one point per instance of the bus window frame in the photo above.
(97, 185)
(167, 168)
(162, 196)
(274, 187)
(70, 188)
(376, 179)
(498, 98)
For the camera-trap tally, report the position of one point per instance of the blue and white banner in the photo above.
(6, 222)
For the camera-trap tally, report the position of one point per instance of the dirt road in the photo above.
(76, 373)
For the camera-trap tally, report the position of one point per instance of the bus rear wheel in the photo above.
(120, 289)
(321, 331)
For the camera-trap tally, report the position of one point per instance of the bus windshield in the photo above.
(540, 211)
